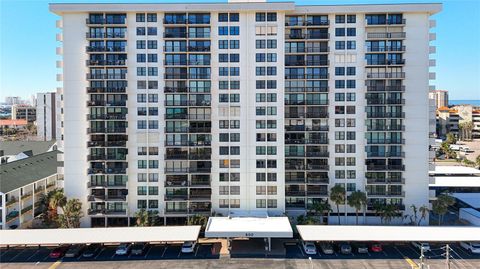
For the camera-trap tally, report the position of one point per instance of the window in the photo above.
(152, 203)
(141, 124)
(152, 31)
(339, 174)
(152, 58)
(141, 58)
(350, 71)
(223, 44)
(260, 16)
(152, 190)
(351, 84)
(339, 97)
(351, 174)
(272, 44)
(234, 30)
(223, 190)
(351, 32)
(140, 44)
(234, 44)
(351, 148)
(142, 190)
(223, 30)
(350, 135)
(234, 17)
(339, 135)
(260, 44)
(223, 17)
(340, 31)
(141, 204)
(339, 71)
(234, 190)
(339, 84)
(351, 187)
(152, 44)
(151, 17)
(271, 16)
(260, 57)
(351, 96)
(351, 18)
(351, 45)
(340, 19)
(140, 17)
(339, 45)
(271, 203)
(261, 203)
(140, 30)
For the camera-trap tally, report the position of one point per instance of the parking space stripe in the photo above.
(55, 264)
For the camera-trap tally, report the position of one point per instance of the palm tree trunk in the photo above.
(338, 214)
(356, 216)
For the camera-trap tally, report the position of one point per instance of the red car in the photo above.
(376, 247)
(58, 252)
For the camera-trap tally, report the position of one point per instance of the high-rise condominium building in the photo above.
(243, 108)
(46, 116)
(24, 112)
(440, 97)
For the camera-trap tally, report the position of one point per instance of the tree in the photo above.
(198, 220)
(423, 213)
(49, 204)
(145, 218)
(386, 212)
(321, 208)
(465, 130)
(441, 204)
(477, 160)
(451, 139)
(357, 200)
(445, 149)
(337, 195)
(72, 213)
(414, 217)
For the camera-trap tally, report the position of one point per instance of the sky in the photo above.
(28, 59)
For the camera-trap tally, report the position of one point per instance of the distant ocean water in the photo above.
(464, 102)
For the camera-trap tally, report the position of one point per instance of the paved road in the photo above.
(161, 256)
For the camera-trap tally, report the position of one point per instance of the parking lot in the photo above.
(392, 256)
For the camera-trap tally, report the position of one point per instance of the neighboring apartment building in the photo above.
(13, 100)
(46, 116)
(243, 107)
(22, 184)
(449, 120)
(440, 97)
(24, 112)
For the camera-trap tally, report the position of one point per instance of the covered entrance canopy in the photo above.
(252, 227)
(99, 235)
(387, 233)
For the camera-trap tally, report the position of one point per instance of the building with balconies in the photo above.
(243, 107)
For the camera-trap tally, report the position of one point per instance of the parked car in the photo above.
(58, 252)
(139, 248)
(376, 247)
(422, 245)
(123, 249)
(472, 247)
(327, 248)
(309, 248)
(92, 250)
(344, 248)
(188, 246)
(361, 248)
(74, 251)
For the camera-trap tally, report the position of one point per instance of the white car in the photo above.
(472, 247)
(422, 245)
(188, 246)
(309, 248)
(123, 249)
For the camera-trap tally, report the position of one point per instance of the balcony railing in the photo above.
(386, 141)
(386, 49)
(176, 196)
(383, 101)
(386, 35)
(106, 89)
(386, 193)
(295, 193)
(385, 180)
(386, 88)
(385, 167)
(105, 35)
(398, 127)
(385, 114)
(387, 22)
(101, 21)
(106, 63)
(105, 49)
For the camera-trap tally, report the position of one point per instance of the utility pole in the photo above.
(447, 256)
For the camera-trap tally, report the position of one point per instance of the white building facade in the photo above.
(46, 104)
(243, 108)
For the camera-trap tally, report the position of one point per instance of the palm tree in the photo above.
(389, 212)
(198, 220)
(477, 160)
(337, 195)
(441, 204)
(414, 218)
(357, 200)
(423, 213)
(72, 213)
(142, 218)
(321, 208)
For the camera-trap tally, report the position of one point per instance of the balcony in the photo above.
(115, 211)
(383, 101)
(176, 196)
(175, 35)
(386, 194)
(176, 211)
(200, 183)
(318, 154)
(101, 21)
(175, 21)
(318, 36)
(387, 22)
(386, 62)
(385, 180)
(386, 35)
(318, 180)
(106, 63)
(96, 211)
(385, 167)
(398, 127)
(386, 49)
(294, 193)
(200, 169)
(105, 35)
(322, 193)
(295, 36)
(106, 116)
(199, 156)
(175, 76)
(96, 197)
(106, 89)
(386, 88)
(198, 48)
(386, 115)
(96, 103)
(385, 154)
(175, 89)
(105, 49)
(106, 76)
(176, 183)
(385, 141)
